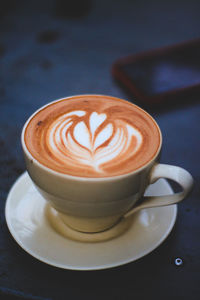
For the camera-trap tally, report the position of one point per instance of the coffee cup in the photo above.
(92, 158)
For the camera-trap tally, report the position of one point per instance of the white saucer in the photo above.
(25, 216)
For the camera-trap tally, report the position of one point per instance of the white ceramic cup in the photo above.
(96, 204)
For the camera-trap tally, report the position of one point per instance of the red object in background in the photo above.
(164, 75)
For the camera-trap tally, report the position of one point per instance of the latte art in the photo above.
(92, 136)
(91, 139)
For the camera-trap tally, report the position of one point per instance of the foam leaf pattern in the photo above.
(86, 138)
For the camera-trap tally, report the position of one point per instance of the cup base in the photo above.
(56, 222)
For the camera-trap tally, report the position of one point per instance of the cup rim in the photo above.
(81, 178)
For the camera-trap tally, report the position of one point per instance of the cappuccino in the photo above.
(92, 136)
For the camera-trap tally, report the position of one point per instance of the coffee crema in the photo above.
(92, 136)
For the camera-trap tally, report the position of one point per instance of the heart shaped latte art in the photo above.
(92, 139)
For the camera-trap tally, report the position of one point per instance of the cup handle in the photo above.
(179, 175)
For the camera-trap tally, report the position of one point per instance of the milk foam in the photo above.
(90, 138)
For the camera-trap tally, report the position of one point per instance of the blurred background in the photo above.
(53, 49)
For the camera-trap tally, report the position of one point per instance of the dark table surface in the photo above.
(53, 49)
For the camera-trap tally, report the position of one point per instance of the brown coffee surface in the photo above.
(92, 136)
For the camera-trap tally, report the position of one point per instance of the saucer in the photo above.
(27, 222)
